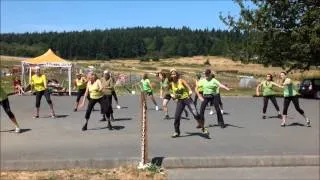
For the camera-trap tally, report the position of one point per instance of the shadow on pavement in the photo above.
(205, 136)
(273, 117)
(295, 124)
(56, 117)
(113, 128)
(172, 118)
(61, 116)
(12, 130)
(122, 119)
(225, 125)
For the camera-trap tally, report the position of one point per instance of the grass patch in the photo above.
(128, 173)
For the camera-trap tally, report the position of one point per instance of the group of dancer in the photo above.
(289, 93)
(172, 86)
(176, 88)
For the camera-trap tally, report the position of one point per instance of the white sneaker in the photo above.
(17, 130)
(118, 106)
(211, 112)
(157, 108)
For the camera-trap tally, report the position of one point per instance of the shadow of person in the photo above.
(225, 125)
(62, 116)
(205, 136)
(122, 119)
(106, 127)
(295, 124)
(13, 131)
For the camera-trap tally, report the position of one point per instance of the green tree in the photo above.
(288, 31)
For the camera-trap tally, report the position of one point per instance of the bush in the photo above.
(144, 59)
(155, 58)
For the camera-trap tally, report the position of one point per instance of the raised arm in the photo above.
(278, 85)
(224, 87)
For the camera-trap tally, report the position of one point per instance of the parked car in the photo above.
(310, 88)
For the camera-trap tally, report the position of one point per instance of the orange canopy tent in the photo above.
(48, 59)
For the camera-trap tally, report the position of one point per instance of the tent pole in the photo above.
(29, 74)
(69, 75)
(22, 75)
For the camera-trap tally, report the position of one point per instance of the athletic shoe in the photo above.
(166, 117)
(17, 130)
(53, 116)
(75, 110)
(211, 112)
(308, 123)
(84, 128)
(264, 117)
(205, 131)
(157, 108)
(222, 111)
(283, 124)
(118, 106)
(109, 126)
(175, 135)
(34, 117)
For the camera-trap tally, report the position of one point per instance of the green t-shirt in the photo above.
(210, 87)
(165, 86)
(267, 88)
(146, 85)
(3, 94)
(289, 89)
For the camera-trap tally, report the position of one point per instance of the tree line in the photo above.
(139, 42)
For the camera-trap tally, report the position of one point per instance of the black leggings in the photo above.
(265, 103)
(6, 106)
(295, 101)
(108, 105)
(196, 98)
(180, 107)
(219, 98)
(91, 104)
(215, 100)
(81, 93)
(114, 94)
(39, 95)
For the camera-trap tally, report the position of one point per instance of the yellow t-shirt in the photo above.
(81, 83)
(39, 82)
(94, 91)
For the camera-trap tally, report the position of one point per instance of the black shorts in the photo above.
(149, 93)
(167, 96)
(81, 92)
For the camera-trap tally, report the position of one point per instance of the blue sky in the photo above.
(58, 15)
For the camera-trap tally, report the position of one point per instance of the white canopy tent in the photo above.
(48, 59)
